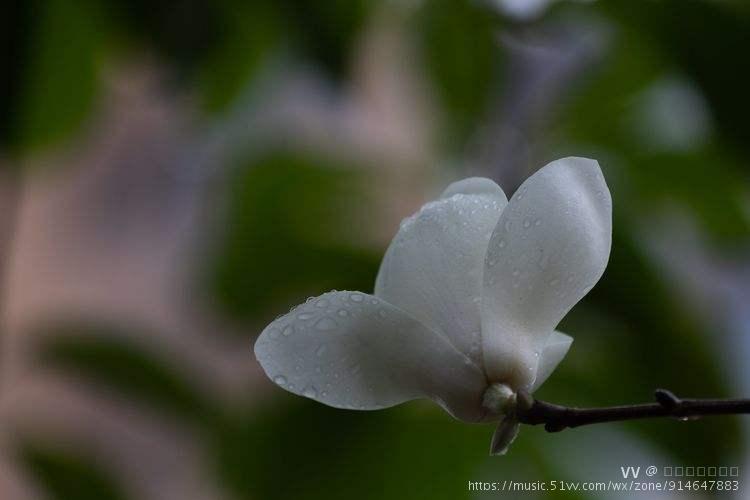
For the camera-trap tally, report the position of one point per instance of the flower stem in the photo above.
(555, 418)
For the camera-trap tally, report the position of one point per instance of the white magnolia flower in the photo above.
(465, 305)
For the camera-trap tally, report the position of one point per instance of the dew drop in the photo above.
(507, 225)
(322, 303)
(356, 297)
(526, 223)
(325, 324)
(491, 262)
(304, 316)
(515, 272)
(280, 380)
(501, 244)
(288, 330)
(382, 313)
(537, 222)
(310, 392)
(320, 350)
(324, 393)
(343, 313)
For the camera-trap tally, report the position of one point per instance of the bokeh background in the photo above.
(175, 175)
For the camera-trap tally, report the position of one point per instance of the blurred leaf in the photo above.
(301, 449)
(65, 476)
(15, 35)
(61, 80)
(250, 31)
(703, 41)
(458, 40)
(326, 31)
(182, 31)
(103, 357)
(708, 183)
(286, 235)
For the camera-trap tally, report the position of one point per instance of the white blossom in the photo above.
(465, 304)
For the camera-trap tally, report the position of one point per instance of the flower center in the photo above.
(499, 399)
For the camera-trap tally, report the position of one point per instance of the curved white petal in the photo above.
(356, 351)
(433, 267)
(475, 185)
(554, 351)
(549, 248)
(505, 433)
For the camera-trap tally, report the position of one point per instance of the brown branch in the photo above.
(555, 418)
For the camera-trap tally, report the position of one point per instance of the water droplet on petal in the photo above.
(537, 222)
(325, 324)
(310, 392)
(515, 272)
(304, 316)
(322, 303)
(320, 350)
(280, 380)
(343, 313)
(356, 297)
(382, 313)
(288, 330)
(526, 223)
(501, 244)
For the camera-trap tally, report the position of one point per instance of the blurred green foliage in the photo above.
(458, 39)
(288, 230)
(104, 355)
(59, 82)
(65, 476)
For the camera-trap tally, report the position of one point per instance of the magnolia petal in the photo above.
(504, 435)
(356, 351)
(553, 353)
(433, 268)
(474, 185)
(549, 248)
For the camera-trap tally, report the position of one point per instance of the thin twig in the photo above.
(556, 418)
